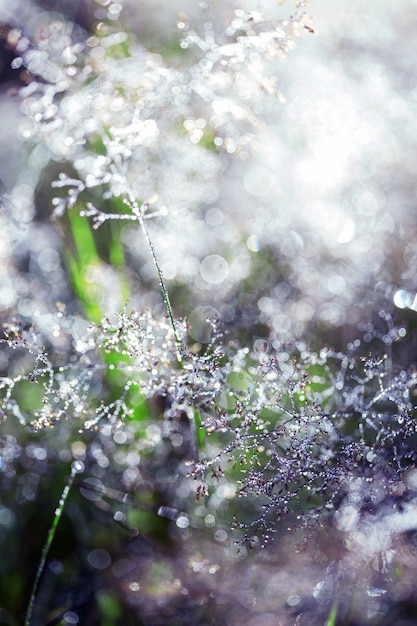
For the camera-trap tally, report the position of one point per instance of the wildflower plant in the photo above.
(166, 431)
(131, 125)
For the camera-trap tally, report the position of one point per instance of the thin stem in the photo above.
(48, 543)
(139, 213)
(193, 427)
(333, 615)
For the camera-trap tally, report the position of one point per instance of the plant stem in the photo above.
(47, 545)
(138, 212)
(332, 617)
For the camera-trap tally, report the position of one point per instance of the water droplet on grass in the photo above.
(78, 467)
(182, 522)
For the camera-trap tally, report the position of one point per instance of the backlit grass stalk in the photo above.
(138, 211)
(48, 543)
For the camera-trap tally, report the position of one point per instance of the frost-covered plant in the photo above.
(275, 437)
(301, 426)
(132, 124)
(309, 441)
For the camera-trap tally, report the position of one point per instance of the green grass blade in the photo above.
(48, 543)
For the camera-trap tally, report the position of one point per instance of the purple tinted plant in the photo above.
(275, 437)
(300, 427)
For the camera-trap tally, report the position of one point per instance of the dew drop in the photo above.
(99, 558)
(182, 521)
(258, 181)
(374, 592)
(402, 299)
(16, 63)
(214, 269)
(71, 618)
(78, 467)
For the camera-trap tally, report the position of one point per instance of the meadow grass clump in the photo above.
(315, 444)
(201, 468)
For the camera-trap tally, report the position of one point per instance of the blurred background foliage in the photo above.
(296, 222)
